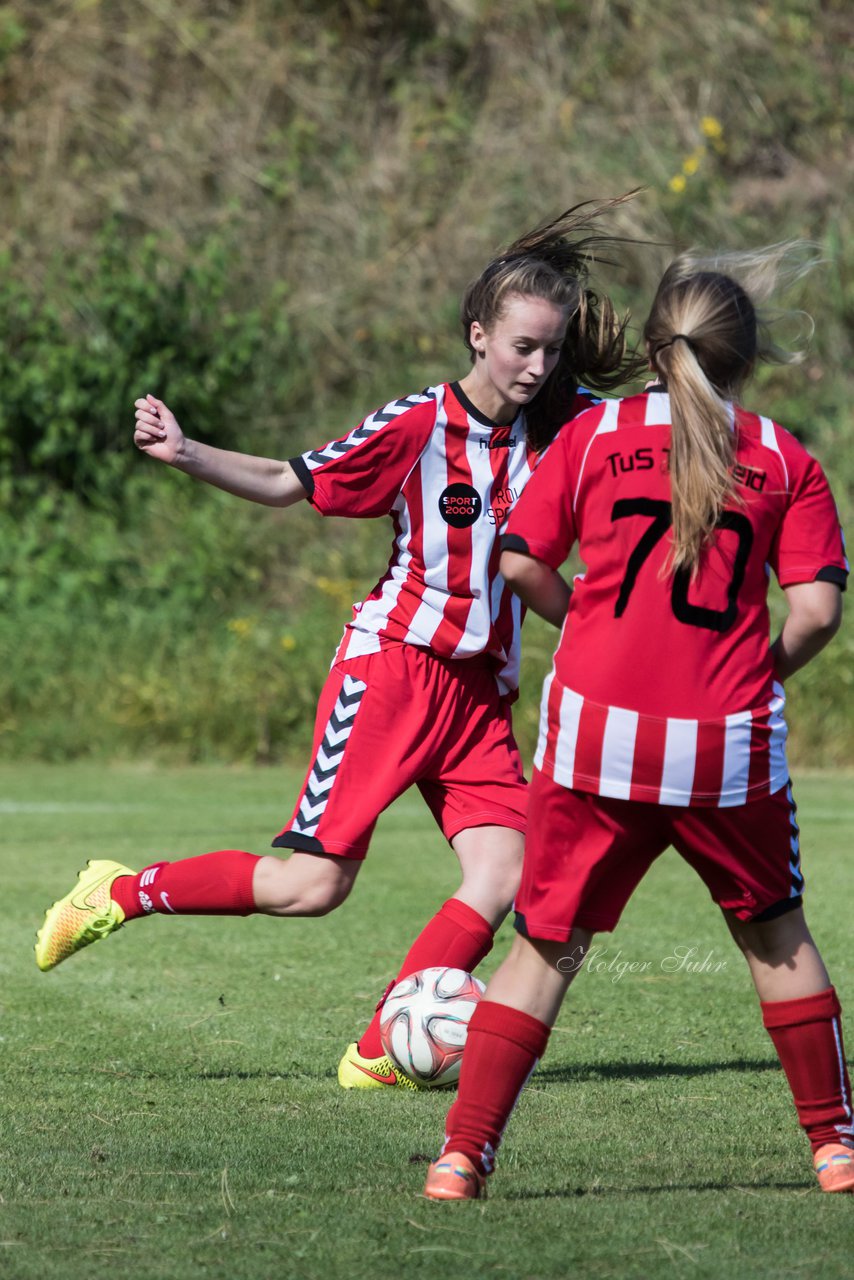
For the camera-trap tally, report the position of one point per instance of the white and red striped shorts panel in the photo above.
(617, 752)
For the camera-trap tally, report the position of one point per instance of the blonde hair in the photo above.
(552, 262)
(705, 336)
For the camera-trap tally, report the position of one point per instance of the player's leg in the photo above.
(305, 884)
(584, 857)
(490, 859)
(507, 1036)
(802, 1015)
(474, 785)
(783, 959)
(329, 833)
(235, 883)
(749, 857)
(227, 882)
(458, 936)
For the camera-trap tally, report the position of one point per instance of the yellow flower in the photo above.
(339, 589)
(566, 113)
(288, 643)
(711, 127)
(691, 164)
(241, 626)
(677, 184)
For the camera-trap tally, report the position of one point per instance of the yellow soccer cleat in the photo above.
(356, 1072)
(84, 915)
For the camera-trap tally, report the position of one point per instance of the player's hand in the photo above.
(157, 432)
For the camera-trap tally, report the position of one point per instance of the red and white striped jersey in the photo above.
(449, 478)
(663, 686)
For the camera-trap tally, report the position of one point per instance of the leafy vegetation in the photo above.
(266, 213)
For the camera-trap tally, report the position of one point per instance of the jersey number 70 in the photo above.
(661, 515)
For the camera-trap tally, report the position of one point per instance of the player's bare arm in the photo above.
(269, 481)
(815, 615)
(538, 586)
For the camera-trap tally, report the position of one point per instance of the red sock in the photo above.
(457, 937)
(502, 1048)
(808, 1038)
(214, 884)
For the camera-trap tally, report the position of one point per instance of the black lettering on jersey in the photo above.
(460, 505)
(637, 460)
(502, 505)
(750, 477)
(643, 460)
(500, 439)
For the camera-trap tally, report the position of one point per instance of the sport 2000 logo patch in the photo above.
(460, 505)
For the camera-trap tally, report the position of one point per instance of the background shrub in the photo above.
(265, 213)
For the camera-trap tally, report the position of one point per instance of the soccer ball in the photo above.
(424, 1024)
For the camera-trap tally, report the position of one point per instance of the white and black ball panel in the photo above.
(425, 1020)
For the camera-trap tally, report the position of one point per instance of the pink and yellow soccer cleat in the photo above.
(454, 1177)
(834, 1167)
(84, 915)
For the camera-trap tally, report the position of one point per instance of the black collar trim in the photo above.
(473, 411)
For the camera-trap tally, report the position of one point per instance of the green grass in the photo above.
(170, 1106)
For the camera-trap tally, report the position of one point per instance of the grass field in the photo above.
(170, 1107)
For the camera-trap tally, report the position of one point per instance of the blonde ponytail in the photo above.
(704, 335)
(702, 452)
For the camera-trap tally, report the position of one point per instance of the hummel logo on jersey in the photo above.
(500, 439)
(330, 753)
(460, 505)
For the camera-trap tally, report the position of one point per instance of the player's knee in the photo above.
(771, 938)
(303, 885)
(491, 894)
(497, 863)
(502, 878)
(323, 895)
(319, 902)
(502, 893)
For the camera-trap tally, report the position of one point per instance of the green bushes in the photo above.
(100, 330)
(265, 213)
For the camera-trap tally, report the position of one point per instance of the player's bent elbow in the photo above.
(821, 614)
(833, 615)
(815, 608)
(828, 625)
(515, 568)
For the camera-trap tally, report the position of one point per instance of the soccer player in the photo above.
(662, 719)
(420, 688)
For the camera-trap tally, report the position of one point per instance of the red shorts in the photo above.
(586, 854)
(401, 716)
